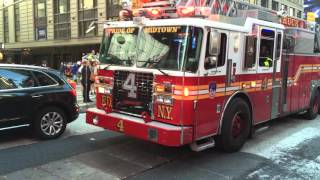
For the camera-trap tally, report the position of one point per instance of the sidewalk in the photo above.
(84, 106)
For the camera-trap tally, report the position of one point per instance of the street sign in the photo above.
(311, 17)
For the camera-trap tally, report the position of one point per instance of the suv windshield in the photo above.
(162, 47)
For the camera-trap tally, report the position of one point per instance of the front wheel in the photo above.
(235, 127)
(50, 123)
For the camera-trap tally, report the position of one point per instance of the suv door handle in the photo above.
(37, 96)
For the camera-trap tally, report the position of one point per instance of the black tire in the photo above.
(313, 110)
(58, 122)
(235, 126)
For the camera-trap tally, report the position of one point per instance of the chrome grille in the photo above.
(142, 102)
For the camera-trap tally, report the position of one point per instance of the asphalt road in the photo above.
(288, 148)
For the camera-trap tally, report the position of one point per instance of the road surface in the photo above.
(289, 148)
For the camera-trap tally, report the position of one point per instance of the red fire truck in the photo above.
(186, 77)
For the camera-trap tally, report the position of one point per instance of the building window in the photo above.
(113, 9)
(291, 11)
(87, 15)
(299, 14)
(284, 7)
(40, 19)
(275, 6)
(87, 4)
(17, 21)
(62, 28)
(5, 25)
(265, 3)
(253, 1)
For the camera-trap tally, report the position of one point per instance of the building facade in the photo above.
(52, 31)
(292, 7)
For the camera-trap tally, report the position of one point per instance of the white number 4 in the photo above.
(129, 85)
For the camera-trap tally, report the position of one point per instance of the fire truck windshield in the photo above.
(119, 46)
(159, 47)
(169, 47)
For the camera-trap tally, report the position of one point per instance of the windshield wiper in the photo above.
(164, 73)
(106, 68)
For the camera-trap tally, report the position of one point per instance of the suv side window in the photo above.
(16, 79)
(43, 79)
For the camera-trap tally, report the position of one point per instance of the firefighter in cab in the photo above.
(265, 57)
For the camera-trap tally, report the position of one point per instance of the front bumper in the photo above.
(161, 133)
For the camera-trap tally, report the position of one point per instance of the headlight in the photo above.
(105, 90)
(167, 100)
(164, 99)
(159, 99)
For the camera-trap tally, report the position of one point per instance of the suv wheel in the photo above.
(50, 123)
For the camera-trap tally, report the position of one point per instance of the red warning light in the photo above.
(186, 11)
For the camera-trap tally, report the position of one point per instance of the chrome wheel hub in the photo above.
(51, 123)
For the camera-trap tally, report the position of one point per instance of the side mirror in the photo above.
(289, 44)
(214, 43)
(210, 62)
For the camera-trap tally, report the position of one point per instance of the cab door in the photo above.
(211, 83)
(276, 85)
(266, 63)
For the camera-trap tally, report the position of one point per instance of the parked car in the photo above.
(37, 97)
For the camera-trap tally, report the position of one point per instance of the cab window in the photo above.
(218, 60)
(250, 52)
(266, 48)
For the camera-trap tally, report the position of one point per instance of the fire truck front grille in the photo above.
(141, 99)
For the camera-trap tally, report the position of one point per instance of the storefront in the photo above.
(50, 56)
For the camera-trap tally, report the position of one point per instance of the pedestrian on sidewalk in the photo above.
(74, 71)
(85, 81)
(62, 68)
(94, 70)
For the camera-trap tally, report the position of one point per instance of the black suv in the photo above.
(37, 97)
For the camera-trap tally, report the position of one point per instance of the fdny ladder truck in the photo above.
(204, 73)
